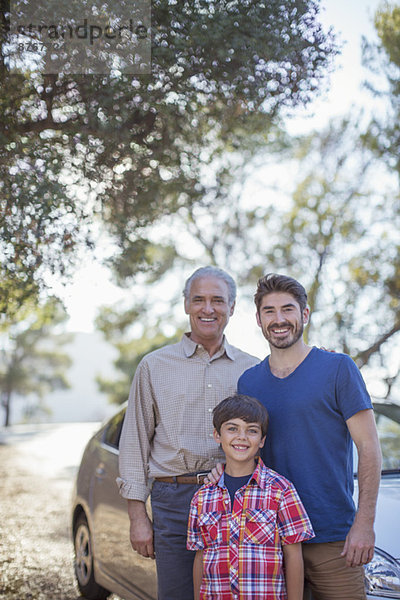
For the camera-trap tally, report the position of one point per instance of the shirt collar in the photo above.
(258, 476)
(190, 347)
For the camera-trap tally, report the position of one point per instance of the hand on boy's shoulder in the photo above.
(214, 474)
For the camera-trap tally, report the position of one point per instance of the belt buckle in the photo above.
(203, 474)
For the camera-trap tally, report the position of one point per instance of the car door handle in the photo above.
(100, 471)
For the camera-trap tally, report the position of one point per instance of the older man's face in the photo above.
(208, 309)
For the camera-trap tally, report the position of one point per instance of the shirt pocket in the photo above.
(210, 525)
(260, 526)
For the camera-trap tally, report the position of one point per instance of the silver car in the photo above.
(105, 562)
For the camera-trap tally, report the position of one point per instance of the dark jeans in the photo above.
(170, 506)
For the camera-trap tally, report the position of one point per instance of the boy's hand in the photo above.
(215, 474)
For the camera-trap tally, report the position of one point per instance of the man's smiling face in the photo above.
(281, 319)
(209, 309)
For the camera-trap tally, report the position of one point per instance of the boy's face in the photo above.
(240, 441)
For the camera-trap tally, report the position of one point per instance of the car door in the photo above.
(114, 553)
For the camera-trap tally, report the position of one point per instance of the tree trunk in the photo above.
(6, 403)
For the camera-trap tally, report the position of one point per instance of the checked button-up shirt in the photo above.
(243, 557)
(168, 427)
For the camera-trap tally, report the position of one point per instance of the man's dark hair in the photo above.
(273, 282)
(243, 407)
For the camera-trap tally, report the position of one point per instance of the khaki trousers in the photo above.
(328, 576)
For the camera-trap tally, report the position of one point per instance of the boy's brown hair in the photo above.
(243, 407)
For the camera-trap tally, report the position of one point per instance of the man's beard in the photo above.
(288, 341)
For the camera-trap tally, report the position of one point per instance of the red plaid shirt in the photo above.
(243, 558)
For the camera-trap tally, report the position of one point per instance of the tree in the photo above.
(129, 149)
(31, 361)
(383, 138)
(383, 61)
(335, 229)
(115, 324)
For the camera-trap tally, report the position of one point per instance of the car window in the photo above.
(112, 432)
(389, 437)
(387, 417)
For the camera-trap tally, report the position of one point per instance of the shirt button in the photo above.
(209, 385)
(210, 435)
(210, 410)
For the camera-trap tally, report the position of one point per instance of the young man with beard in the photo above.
(318, 405)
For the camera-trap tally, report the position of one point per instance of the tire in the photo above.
(83, 562)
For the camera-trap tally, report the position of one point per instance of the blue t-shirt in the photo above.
(233, 484)
(307, 440)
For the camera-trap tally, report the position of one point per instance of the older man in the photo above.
(167, 440)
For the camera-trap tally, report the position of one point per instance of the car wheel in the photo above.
(83, 562)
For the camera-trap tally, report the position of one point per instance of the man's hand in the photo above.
(215, 474)
(359, 546)
(141, 529)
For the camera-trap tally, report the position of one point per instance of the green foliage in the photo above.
(116, 326)
(383, 59)
(128, 150)
(387, 24)
(335, 230)
(31, 361)
(325, 209)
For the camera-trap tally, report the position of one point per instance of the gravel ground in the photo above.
(36, 552)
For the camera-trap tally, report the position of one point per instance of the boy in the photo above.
(247, 528)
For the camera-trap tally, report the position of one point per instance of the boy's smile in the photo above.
(241, 442)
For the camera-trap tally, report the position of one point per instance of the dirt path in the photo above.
(36, 554)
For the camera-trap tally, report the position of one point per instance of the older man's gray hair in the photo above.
(212, 272)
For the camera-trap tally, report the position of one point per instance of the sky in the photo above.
(351, 19)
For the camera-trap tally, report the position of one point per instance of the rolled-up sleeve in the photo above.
(136, 436)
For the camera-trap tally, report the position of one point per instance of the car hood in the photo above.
(387, 523)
